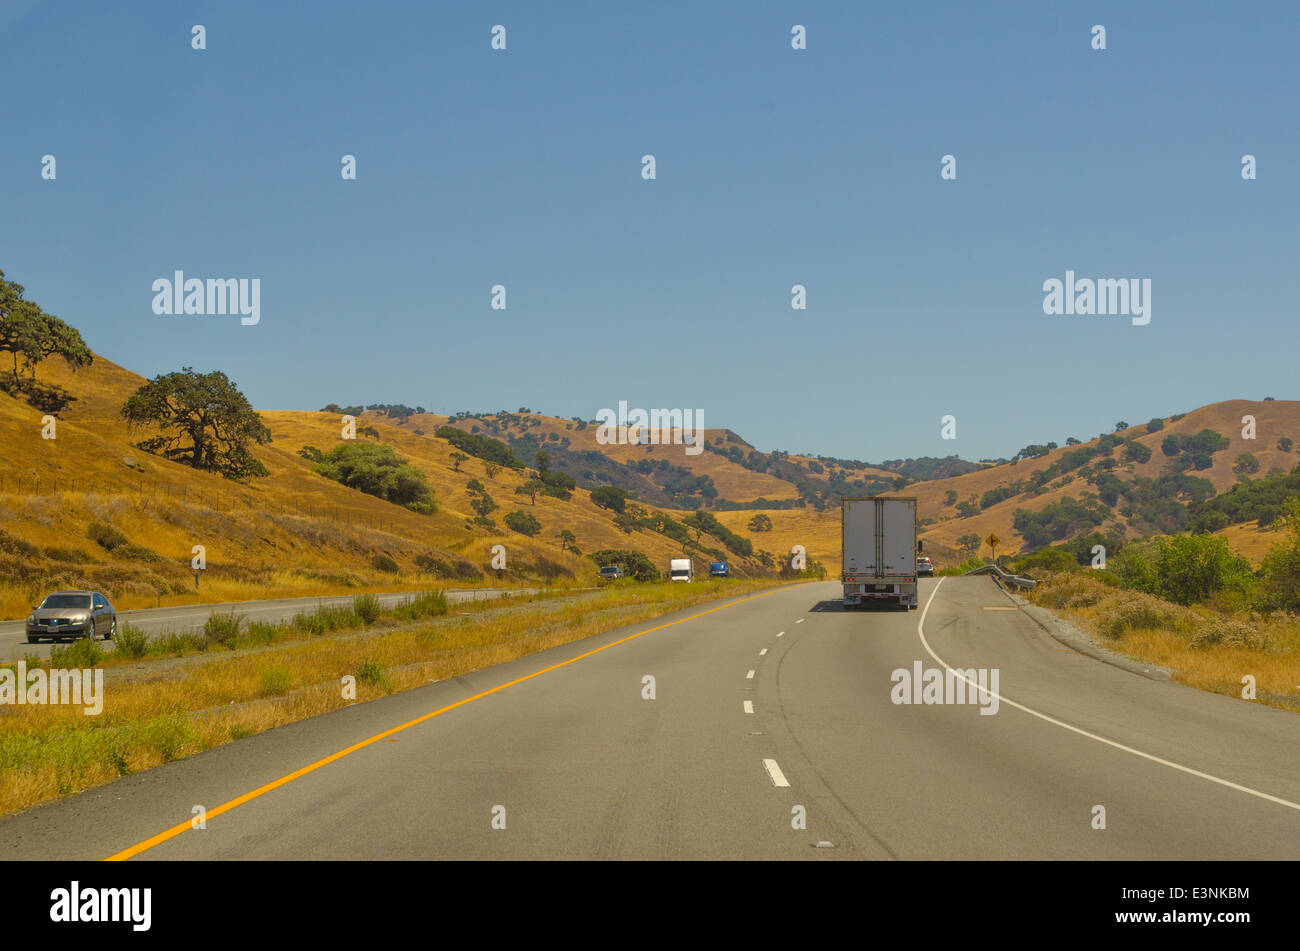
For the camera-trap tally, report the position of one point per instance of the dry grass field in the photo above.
(1204, 648)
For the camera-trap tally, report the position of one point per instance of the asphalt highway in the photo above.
(773, 733)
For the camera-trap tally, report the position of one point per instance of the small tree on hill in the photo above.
(1246, 464)
(530, 489)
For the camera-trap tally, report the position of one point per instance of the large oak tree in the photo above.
(206, 422)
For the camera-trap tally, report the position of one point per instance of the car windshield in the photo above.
(609, 571)
(66, 601)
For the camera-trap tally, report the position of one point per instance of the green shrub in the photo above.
(366, 607)
(264, 632)
(1107, 577)
(169, 734)
(130, 641)
(425, 604)
(138, 553)
(1138, 612)
(1190, 568)
(1230, 632)
(1062, 589)
(178, 644)
(379, 471)
(83, 652)
(326, 619)
(370, 672)
(223, 627)
(275, 681)
(1135, 568)
(523, 523)
(105, 536)
(384, 563)
(449, 566)
(67, 554)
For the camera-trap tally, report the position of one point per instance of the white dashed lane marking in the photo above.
(778, 777)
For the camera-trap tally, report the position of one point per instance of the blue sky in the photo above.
(775, 167)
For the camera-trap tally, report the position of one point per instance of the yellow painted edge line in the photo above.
(176, 830)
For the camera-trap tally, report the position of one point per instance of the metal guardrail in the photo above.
(999, 574)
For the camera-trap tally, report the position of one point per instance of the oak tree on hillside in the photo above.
(206, 422)
(29, 335)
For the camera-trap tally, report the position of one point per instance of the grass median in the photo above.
(159, 708)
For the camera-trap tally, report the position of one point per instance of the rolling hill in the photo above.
(297, 532)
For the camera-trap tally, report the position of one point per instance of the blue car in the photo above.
(719, 569)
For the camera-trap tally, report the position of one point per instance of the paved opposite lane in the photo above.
(575, 762)
(186, 618)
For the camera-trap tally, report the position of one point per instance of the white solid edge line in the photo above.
(920, 630)
(749, 706)
(749, 676)
(778, 777)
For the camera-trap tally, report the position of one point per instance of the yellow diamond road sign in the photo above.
(992, 540)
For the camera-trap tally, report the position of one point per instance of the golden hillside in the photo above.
(296, 532)
(291, 533)
(819, 531)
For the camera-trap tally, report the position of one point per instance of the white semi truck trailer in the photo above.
(878, 540)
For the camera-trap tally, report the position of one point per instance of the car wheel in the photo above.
(112, 629)
(32, 639)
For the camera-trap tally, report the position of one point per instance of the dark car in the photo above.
(611, 572)
(719, 569)
(67, 615)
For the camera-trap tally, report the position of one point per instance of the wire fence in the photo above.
(14, 483)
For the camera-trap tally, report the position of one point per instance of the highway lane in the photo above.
(187, 618)
(580, 765)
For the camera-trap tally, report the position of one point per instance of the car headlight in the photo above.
(31, 619)
(79, 619)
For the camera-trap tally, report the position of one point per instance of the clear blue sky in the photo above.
(775, 167)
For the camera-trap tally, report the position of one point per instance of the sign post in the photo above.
(992, 542)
